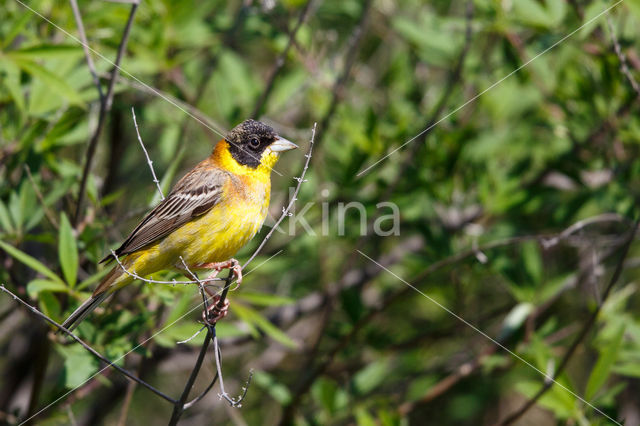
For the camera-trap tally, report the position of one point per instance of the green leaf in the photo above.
(52, 81)
(5, 219)
(252, 316)
(532, 261)
(608, 356)
(277, 390)
(371, 376)
(36, 286)
(79, 365)
(12, 81)
(93, 278)
(17, 28)
(67, 251)
(31, 262)
(48, 51)
(265, 299)
(49, 305)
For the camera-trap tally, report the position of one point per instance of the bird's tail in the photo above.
(84, 310)
(115, 279)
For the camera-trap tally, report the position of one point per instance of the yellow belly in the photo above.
(214, 237)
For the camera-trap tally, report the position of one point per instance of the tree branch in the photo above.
(105, 106)
(578, 340)
(280, 60)
(86, 346)
(146, 154)
(85, 47)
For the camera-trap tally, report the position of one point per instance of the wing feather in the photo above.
(194, 195)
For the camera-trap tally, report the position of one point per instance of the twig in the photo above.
(624, 67)
(146, 154)
(337, 95)
(285, 211)
(583, 333)
(85, 46)
(105, 106)
(280, 62)
(350, 58)
(581, 224)
(453, 80)
(147, 280)
(236, 403)
(179, 405)
(319, 369)
(86, 346)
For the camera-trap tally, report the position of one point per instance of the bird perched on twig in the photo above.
(212, 212)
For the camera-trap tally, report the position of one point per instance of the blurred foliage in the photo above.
(555, 143)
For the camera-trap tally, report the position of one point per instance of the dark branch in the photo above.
(105, 106)
(583, 333)
(85, 46)
(257, 110)
(87, 347)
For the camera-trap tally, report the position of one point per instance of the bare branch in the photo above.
(280, 62)
(105, 106)
(236, 403)
(578, 340)
(87, 347)
(133, 274)
(146, 154)
(85, 47)
(179, 405)
(624, 67)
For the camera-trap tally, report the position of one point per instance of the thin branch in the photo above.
(338, 86)
(203, 394)
(105, 106)
(87, 347)
(85, 46)
(624, 67)
(149, 281)
(454, 78)
(285, 211)
(314, 372)
(146, 154)
(179, 405)
(280, 60)
(578, 340)
(236, 403)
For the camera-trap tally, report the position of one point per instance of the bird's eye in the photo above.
(254, 143)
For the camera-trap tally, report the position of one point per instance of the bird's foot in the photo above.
(214, 313)
(232, 264)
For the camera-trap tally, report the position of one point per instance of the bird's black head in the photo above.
(248, 141)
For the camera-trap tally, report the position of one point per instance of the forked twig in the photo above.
(85, 47)
(146, 154)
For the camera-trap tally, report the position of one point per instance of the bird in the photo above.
(210, 214)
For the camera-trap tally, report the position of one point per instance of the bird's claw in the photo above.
(232, 264)
(214, 313)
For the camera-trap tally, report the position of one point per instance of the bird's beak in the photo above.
(281, 144)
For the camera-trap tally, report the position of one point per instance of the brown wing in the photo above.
(194, 195)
